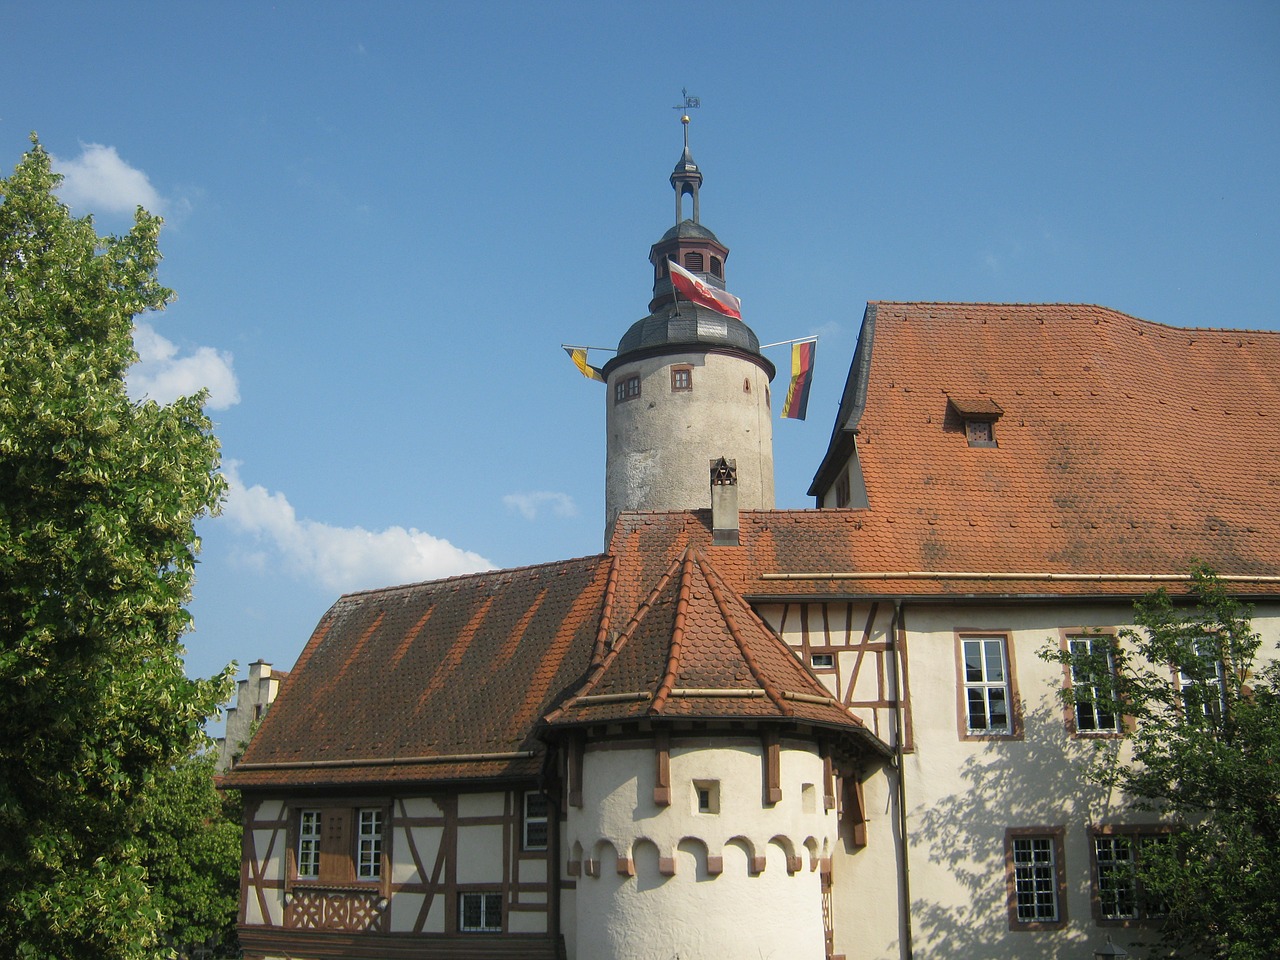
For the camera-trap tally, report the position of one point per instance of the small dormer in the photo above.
(977, 416)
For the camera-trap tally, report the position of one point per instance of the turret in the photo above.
(688, 385)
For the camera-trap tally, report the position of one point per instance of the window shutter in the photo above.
(335, 847)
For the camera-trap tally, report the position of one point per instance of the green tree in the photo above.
(98, 495)
(1202, 750)
(190, 835)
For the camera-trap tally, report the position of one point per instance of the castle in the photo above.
(743, 732)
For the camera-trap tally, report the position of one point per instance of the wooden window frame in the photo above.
(1055, 835)
(843, 490)
(980, 432)
(369, 868)
(1071, 711)
(528, 820)
(338, 855)
(1136, 835)
(682, 372)
(627, 388)
(486, 894)
(1218, 682)
(1012, 700)
(311, 838)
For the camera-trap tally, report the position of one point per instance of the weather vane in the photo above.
(690, 103)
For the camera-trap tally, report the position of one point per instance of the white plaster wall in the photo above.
(660, 444)
(963, 795)
(526, 921)
(491, 804)
(479, 853)
(697, 913)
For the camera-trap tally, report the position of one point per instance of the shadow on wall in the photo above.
(1035, 782)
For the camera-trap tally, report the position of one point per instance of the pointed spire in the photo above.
(686, 177)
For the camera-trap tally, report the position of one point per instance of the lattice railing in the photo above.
(347, 910)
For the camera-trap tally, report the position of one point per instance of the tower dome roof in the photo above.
(689, 229)
(692, 326)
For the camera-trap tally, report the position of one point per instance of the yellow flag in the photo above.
(579, 357)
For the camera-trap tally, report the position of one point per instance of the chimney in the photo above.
(724, 503)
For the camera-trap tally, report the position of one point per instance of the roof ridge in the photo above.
(1071, 304)
(599, 667)
(676, 651)
(606, 610)
(475, 574)
(715, 584)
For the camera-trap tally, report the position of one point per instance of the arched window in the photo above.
(693, 261)
(717, 266)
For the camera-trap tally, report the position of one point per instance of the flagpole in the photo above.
(784, 343)
(579, 346)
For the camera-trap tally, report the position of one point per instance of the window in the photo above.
(627, 389)
(693, 261)
(1093, 664)
(822, 661)
(535, 821)
(987, 692)
(1203, 686)
(309, 843)
(1035, 877)
(369, 845)
(480, 912)
(682, 378)
(706, 795)
(843, 497)
(980, 433)
(339, 845)
(717, 266)
(1117, 892)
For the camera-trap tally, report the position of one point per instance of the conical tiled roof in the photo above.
(694, 649)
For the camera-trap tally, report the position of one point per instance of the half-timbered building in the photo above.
(755, 732)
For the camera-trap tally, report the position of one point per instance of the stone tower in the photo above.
(688, 385)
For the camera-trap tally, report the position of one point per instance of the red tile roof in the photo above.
(695, 649)
(435, 681)
(1125, 452)
(1123, 446)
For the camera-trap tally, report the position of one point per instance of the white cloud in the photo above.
(163, 376)
(342, 558)
(529, 505)
(99, 180)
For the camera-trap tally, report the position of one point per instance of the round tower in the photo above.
(688, 385)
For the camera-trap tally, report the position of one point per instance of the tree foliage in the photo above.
(1203, 753)
(98, 496)
(190, 845)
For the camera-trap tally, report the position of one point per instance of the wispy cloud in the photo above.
(162, 375)
(99, 180)
(530, 505)
(341, 559)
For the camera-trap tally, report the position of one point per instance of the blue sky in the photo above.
(383, 220)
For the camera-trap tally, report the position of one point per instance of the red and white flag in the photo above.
(701, 292)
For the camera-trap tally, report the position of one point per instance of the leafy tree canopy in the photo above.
(1203, 752)
(98, 496)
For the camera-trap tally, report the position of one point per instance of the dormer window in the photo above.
(979, 416)
(980, 433)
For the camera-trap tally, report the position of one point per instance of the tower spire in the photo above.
(686, 177)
